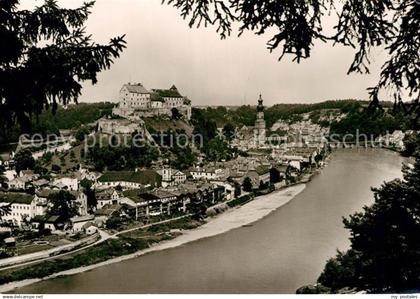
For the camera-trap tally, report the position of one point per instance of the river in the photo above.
(276, 254)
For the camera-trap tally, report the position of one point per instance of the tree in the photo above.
(385, 251)
(63, 204)
(217, 150)
(262, 185)
(2, 177)
(81, 133)
(247, 184)
(2, 181)
(55, 168)
(175, 115)
(205, 129)
(185, 158)
(90, 193)
(298, 25)
(5, 210)
(39, 169)
(44, 55)
(411, 144)
(24, 160)
(237, 191)
(114, 222)
(274, 176)
(123, 157)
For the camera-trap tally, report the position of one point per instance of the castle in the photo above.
(135, 102)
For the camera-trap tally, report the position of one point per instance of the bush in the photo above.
(55, 168)
(239, 201)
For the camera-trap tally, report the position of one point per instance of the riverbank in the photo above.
(231, 219)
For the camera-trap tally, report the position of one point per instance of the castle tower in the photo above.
(259, 127)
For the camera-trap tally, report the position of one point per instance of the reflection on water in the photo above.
(277, 254)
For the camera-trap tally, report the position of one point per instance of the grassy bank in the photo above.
(127, 243)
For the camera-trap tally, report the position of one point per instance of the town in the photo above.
(59, 196)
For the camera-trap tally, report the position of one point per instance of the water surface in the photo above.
(277, 254)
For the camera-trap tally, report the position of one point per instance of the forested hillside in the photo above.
(245, 115)
(65, 118)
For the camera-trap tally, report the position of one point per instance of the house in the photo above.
(85, 174)
(89, 228)
(78, 222)
(107, 197)
(179, 177)
(396, 139)
(172, 177)
(54, 223)
(18, 183)
(283, 171)
(6, 160)
(5, 232)
(103, 214)
(80, 199)
(254, 176)
(28, 174)
(39, 184)
(229, 189)
(23, 207)
(10, 174)
(38, 221)
(175, 199)
(10, 242)
(134, 96)
(211, 173)
(158, 202)
(263, 173)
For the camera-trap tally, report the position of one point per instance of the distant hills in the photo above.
(73, 116)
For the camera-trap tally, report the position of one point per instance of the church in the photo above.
(253, 137)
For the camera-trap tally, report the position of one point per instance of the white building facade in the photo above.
(135, 101)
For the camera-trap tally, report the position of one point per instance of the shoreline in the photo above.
(233, 218)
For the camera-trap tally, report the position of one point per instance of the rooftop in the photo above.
(262, 169)
(82, 218)
(144, 177)
(136, 88)
(107, 210)
(168, 93)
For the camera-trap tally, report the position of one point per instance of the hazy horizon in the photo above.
(162, 50)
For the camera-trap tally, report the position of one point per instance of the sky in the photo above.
(162, 50)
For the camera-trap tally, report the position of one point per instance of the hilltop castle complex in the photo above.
(137, 102)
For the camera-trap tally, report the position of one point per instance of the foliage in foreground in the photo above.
(44, 55)
(298, 25)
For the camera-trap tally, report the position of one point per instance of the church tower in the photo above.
(166, 176)
(259, 127)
